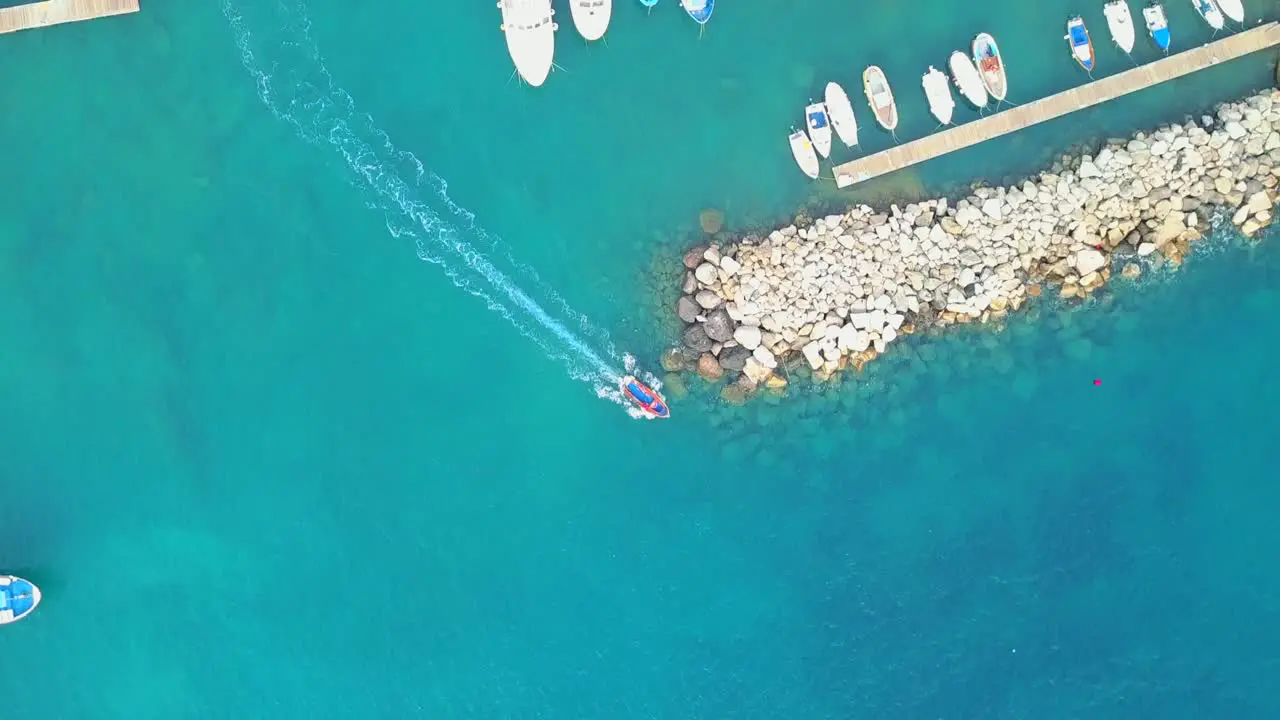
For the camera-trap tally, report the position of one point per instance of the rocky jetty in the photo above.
(839, 290)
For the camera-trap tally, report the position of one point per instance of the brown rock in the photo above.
(673, 360)
(711, 221)
(693, 257)
(709, 368)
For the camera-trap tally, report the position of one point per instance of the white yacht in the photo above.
(531, 38)
(591, 17)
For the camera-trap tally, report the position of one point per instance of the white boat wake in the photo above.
(296, 86)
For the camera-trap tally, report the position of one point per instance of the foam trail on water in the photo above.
(296, 86)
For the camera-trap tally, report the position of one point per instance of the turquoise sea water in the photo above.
(285, 434)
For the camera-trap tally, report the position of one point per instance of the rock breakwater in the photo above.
(837, 291)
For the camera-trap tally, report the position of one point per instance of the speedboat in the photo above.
(880, 97)
(1120, 23)
(18, 598)
(699, 10)
(1208, 10)
(1232, 9)
(986, 55)
(1081, 46)
(938, 91)
(842, 117)
(531, 38)
(967, 79)
(819, 125)
(644, 397)
(591, 17)
(802, 150)
(1157, 25)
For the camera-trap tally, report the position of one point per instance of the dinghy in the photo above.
(531, 38)
(648, 3)
(699, 10)
(1208, 10)
(876, 87)
(1232, 9)
(591, 17)
(1120, 23)
(18, 598)
(1081, 45)
(938, 91)
(967, 79)
(1157, 25)
(841, 112)
(644, 397)
(802, 150)
(986, 55)
(818, 124)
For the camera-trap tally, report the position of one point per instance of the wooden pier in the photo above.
(56, 12)
(1054, 106)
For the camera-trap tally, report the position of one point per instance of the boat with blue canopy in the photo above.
(1157, 25)
(18, 598)
(1081, 46)
(644, 397)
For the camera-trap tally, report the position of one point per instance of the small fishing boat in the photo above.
(802, 150)
(1208, 10)
(880, 96)
(938, 91)
(531, 38)
(1120, 23)
(648, 3)
(1081, 45)
(18, 598)
(967, 79)
(1233, 9)
(1157, 25)
(986, 55)
(818, 123)
(591, 17)
(644, 397)
(699, 10)
(841, 112)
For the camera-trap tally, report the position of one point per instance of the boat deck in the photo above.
(1055, 106)
(56, 12)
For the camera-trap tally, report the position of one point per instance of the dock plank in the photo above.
(56, 12)
(1055, 106)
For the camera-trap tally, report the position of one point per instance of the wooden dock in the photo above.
(56, 12)
(1054, 106)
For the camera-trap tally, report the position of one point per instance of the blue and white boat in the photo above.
(699, 10)
(648, 3)
(18, 598)
(1157, 25)
(1208, 10)
(1081, 46)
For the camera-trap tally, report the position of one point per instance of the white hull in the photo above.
(531, 37)
(880, 97)
(819, 130)
(591, 17)
(842, 117)
(1232, 9)
(938, 91)
(1210, 12)
(1120, 23)
(802, 150)
(990, 68)
(967, 79)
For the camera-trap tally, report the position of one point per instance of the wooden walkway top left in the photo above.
(56, 12)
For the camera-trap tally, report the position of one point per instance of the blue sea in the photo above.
(304, 308)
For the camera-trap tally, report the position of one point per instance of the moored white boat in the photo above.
(802, 150)
(986, 55)
(1081, 44)
(699, 10)
(818, 123)
(591, 17)
(1157, 25)
(1233, 9)
(18, 598)
(880, 96)
(841, 112)
(938, 91)
(531, 38)
(967, 79)
(1120, 23)
(1208, 10)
